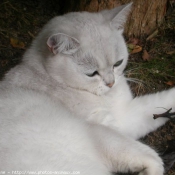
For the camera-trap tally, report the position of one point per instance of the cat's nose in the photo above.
(110, 84)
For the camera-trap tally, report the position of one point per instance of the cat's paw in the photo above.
(152, 164)
(154, 168)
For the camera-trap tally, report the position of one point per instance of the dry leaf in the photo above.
(171, 52)
(170, 83)
(16, 43)
(129, 50)
(136, 49)
(131, 46)
(133, 41)
(145, 56)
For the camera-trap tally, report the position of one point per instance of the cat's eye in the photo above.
(118, 63)
(93, 74)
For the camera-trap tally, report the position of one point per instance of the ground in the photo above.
(152, 69)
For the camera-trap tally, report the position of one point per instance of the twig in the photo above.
(152, 35)
(31, 34)
(166, 114)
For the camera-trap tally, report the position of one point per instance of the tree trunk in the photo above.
(145, 17)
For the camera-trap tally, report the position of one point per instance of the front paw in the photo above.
(154, 168)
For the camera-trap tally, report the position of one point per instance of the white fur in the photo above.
(54, 117)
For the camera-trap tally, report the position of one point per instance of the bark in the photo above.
(146, 16)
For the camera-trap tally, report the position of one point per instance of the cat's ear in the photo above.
(62, 43)
(118, 15)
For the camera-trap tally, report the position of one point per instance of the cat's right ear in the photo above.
(118, 16)
(62, 43)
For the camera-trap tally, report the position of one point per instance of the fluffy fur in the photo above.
(68, 107)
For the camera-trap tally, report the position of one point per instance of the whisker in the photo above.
(130, 70)
(135, 80)
(131, 73)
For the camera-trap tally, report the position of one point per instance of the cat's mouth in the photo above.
(101, 90)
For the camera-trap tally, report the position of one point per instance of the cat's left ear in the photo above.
(62, 43)
(118, 15)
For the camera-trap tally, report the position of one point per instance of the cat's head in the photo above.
(87, 50)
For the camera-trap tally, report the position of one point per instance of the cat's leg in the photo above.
(138, 120)
(123, 154)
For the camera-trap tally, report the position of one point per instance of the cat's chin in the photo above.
(97, 92)
(101, 91)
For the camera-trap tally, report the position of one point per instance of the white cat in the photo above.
(69, 108)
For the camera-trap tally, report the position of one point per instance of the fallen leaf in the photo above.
(129, 50)
(136, 49)
(171, 52)
(133, 41)
(16, 43)
(3, 62)
(145, 55)
(131, 46)
(170, 83)
(169, 137)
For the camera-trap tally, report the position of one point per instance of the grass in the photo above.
(156, 74)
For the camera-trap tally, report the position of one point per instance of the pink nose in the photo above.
(110, 84)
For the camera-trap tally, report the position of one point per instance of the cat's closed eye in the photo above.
(93, 74)
(118, 63)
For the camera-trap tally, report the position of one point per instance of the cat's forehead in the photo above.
(98, 45)
(93, 30)
(97, 58)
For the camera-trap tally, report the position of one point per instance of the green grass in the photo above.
(152, 75)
